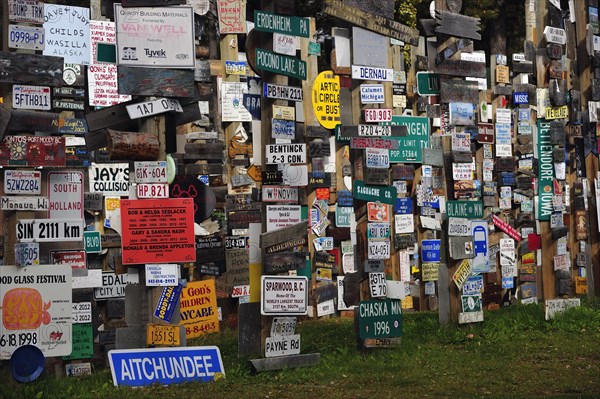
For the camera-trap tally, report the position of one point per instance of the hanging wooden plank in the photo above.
(33, 121)
(460, 91)
(4, 119)
(461, 68)
(110, 117)
(457, 25)
(31, 69)
(156, 82)
(375, 23)
(132, 146)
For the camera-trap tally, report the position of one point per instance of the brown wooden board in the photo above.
(462, 156)
(457, 25)
(33, 121)
(139, 146)
(403, 172)
(283, 239)
(204, 169)
(523, 67)
(554, 51)
(433, 157)
(452, 49)
(156, 82)
(31, 69)
(110, 117)
(5, 114)
(150, 3)
(461, 68)
(376, 176)
(284, 261)
(93, 201)
(461, 91)
(375, 23)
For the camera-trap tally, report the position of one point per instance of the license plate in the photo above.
(162, 335)
(283, 326)
(150, 190)
(151, 172)
(31, 97)
(557, 112)
(378, 115)
(378, 230)
(377, 158)
(27, 254)
(379, 249)
(374, 130)
(22, 182)
(155, 107)
(26, 37)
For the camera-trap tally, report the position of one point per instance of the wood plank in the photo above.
(283, 261)
(375, 23)
(111, 117)
(138, 146)
(270, 239)
(284, 362)
(31, 69)
(452, 49)
(33, 121)
(5, 115)
(156, 82)
(457, 25)
(461, 68)
(459, 91)
(204, 169)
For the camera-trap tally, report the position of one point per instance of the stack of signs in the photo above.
(283, 339)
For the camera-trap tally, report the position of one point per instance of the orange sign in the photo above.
(158, 231)
(378, 212)
(198, 308)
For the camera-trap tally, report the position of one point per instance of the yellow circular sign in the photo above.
(326, 99)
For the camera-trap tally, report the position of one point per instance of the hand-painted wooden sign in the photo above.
(31, 69)
(32, 151)
(375, 23)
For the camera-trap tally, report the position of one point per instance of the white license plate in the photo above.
(22, 182)
(26, 37)
(379, 249)
(27, 254)
(378, 115)
(374, 130)
(154, 107)
(31, 97)
(149, 190)
(151, 172)
(378, 230)
(378, 158)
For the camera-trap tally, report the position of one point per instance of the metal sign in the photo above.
(284, 295)
(26, 37)
(282, 129)
(151, 190)
(49, 230)
(465, 209)
(27, 254)
(282, 345)
(280, 64)
(162, 335)
(207, 362)
(380, 318)
(31, 97)
(285, 153)
(371, 73)
(326, 99)
(154, 107)
(459, 227)
(428, 84)
(279, 194)
(141, 36)
(268, 22)
(378, 115)
(280, 92)
(36, 309)
(544, 207)
(162, 275)
(378, 249)
(151, 172)
(377, 158)
(431, 250)
(113, 286)
(372, 94)
(377, 284)
(24, 203)
(410, 148)
(22, 182)
(383, 194)
(65, 194)
(26, 11)
(283, 326)
(110, 179)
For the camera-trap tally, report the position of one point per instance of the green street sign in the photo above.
(268, 22)
(380, 318)
(464, 209)
(384, 194)
(410, 147)
(280, 64)
(91, 242)
(546, 171)
(428, 84)
(314, 48)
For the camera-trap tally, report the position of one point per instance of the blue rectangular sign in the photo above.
(403, 206)
(167, 302)
(520, 98)
(164, 366)
(430, 250)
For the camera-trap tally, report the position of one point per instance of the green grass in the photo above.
(514, 353)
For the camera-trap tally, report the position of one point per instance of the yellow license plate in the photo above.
(162, 335)
(557, 112)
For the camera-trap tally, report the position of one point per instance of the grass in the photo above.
(514, 353)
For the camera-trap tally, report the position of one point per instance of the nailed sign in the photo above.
(280, 64)
(284, 295)
(268, 22)
(546, 171)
